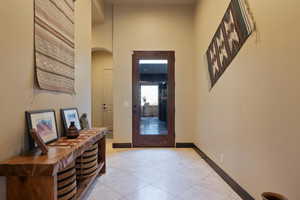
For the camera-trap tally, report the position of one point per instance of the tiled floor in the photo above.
(153, 126)
(158, 174)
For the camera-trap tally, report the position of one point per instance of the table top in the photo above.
(61, 153)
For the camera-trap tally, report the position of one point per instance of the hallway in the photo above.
(158, 174)
(219, 76)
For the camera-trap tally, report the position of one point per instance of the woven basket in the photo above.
(87, 163)
(66, 183)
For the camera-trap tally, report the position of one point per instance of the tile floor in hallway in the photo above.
(158, 174)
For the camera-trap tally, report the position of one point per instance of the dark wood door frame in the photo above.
(153, 140)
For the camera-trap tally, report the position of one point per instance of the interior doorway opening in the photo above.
(102, 90)
(153, 98)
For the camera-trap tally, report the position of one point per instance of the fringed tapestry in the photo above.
(54, 45)
(236, 26)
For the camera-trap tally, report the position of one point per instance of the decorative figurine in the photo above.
(84, 121)
(72, 132)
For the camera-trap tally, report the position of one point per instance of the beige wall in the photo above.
(102, 32)
(153, 28)
(97, 11)
(83, 41)
(17, 74)
(100, 60)
(251, 116)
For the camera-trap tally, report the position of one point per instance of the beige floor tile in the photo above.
(198, 193)
(158, 174)
(150, 193)
(102, 192)
(173, 184)
(127, 185)
(216, 184)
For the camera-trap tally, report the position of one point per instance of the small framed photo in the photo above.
(69, 115)
(39, 141)
(44, 123)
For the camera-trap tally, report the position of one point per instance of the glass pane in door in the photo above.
(153, 93)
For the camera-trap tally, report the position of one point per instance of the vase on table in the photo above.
(72, 132)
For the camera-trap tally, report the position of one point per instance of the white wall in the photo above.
(153, 28)
(251, 116)
(17, 74)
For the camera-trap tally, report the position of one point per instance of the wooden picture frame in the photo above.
(44, 122)
(69, 115)
(39, 141)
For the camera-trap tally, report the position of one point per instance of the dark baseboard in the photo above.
(185, 145)
(122, 145)
(232, 183)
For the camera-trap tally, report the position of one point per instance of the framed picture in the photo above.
(39, 141)
(69, 115)
(44, 122)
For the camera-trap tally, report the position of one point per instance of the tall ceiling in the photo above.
(169, 2)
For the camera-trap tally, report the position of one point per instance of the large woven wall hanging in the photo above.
(54, 45)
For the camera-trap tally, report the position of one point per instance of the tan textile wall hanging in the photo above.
(235, 28)
(54, 45)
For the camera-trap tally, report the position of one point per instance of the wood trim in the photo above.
(150, 140)
(230, 181)
(185, 145)
(122, 145)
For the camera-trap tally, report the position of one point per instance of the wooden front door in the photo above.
(153, 98)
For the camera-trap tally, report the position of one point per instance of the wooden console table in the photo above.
(34, 176)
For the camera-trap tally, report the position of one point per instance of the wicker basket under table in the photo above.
(87, 163)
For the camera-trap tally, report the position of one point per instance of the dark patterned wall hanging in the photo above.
(236, 26)
(54, 45)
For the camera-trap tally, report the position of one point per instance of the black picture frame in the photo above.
(66, 121)
(31, 124)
